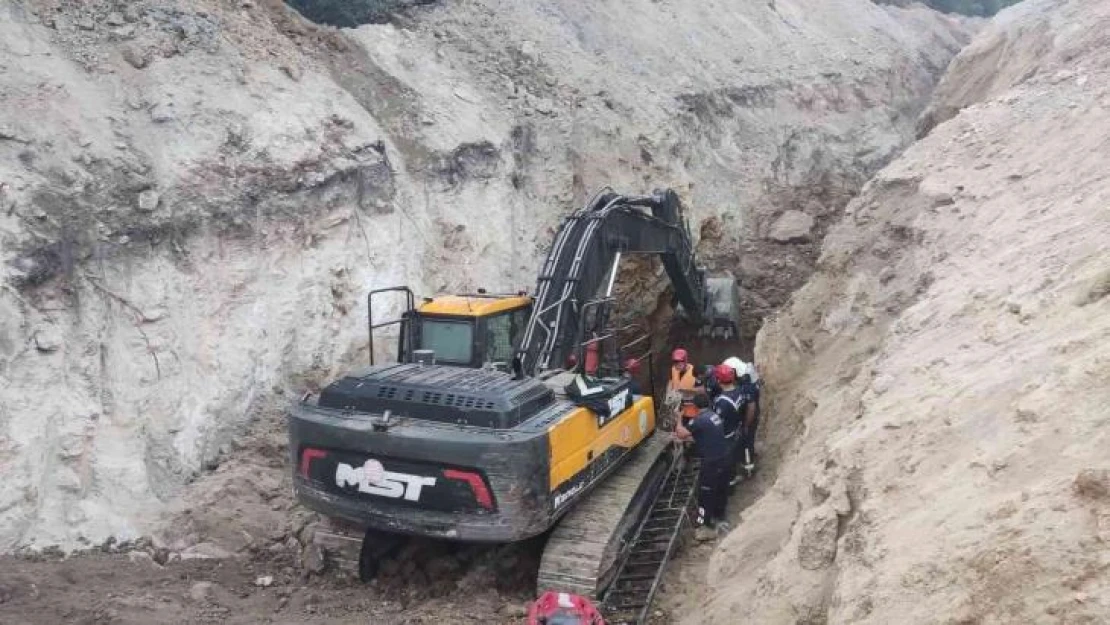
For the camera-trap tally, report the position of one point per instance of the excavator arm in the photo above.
(582, 266)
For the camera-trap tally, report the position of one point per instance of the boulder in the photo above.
(792, 227)
(817, 545)
(1093, 483)
(148, 200)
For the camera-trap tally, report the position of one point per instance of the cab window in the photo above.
(452, 341)
(499, 338)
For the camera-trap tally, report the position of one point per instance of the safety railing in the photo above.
(405, 337)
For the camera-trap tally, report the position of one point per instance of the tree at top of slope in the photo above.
(983, 8)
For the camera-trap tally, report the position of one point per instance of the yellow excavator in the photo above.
(507, 416)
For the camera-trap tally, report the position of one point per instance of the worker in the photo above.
(730, 404)
(750, 387)
(749, 384)
(707, 432)
(736, 364)
(684, 381)
(631, 371)
(710, 383)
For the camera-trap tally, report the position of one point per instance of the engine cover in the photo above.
(458, 395)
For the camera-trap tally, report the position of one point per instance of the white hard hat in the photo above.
(736, 364)
(742, 368)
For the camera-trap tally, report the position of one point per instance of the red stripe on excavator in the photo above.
(481, 493)
(308, 454)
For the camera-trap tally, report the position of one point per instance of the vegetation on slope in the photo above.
(983, 8)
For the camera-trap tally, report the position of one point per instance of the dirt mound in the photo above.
(938, 387)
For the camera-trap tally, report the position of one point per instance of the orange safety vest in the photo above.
(685, 382)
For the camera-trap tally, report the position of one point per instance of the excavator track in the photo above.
(590, 542)
(628, 599)
(352, 550)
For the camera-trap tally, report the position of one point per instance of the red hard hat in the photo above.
(726, 374)
(561, 607)
(678, 355)
(632, 366)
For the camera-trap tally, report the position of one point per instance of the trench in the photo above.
(426, 578)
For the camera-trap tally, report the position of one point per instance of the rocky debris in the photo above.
(142, 558)
(8, 132)
(202, 592)
(1093, 483)
(48, 339)
(294, 72)
(312, 559)
(205, 551)
(792, 227)
(264, 581)
(817, 541)
(705, 534)
(137, 56)
(148, 200)
(162, 112)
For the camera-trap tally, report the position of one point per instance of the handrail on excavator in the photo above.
(410, 305)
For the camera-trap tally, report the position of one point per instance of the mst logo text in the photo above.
(372, 478)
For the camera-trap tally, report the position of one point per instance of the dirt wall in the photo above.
(938, 388)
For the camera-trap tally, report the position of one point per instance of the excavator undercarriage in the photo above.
(506, 417)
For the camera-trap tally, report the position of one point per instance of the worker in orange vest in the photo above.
(684, 381)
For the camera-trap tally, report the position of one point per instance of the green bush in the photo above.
(351, 13)
(983, 8)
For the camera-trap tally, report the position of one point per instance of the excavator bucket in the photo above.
(723, 315)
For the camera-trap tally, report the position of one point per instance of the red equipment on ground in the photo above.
(561, 608)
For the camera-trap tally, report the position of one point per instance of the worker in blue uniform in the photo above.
(707, 432)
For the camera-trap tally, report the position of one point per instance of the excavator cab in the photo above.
(471, 330)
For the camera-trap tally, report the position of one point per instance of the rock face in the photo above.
(197, 196)
(948, 365)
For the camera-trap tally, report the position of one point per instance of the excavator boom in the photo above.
(584, 260)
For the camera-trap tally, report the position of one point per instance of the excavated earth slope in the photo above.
(942, 383)
(196, 195)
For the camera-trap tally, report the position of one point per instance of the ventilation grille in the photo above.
(434, 398)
